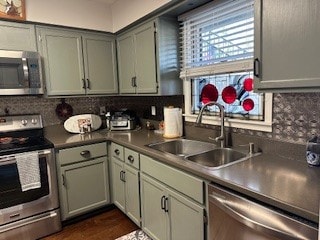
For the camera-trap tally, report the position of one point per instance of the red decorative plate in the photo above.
(248, 84)
(248, 104)
(209, 93)
(229, 94)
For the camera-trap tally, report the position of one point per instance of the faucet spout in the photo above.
(220, 138)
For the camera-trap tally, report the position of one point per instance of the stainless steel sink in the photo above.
(183, 147)
(218, 157)
(202, 153)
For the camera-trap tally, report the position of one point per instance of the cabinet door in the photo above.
(287, 45)
(185, 218)
(132, 194)
(62, 55)
(17, 36)
(145, 59)
(126, 58)
(85, 187)
(154, 218)
(100, 66)
(118, 185)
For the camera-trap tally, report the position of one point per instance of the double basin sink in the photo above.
(203, 153)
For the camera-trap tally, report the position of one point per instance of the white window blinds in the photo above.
(217, 38)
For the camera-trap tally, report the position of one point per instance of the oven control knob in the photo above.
(24, 122)
(34, 121)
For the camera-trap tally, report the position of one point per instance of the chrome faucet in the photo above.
(221, 138)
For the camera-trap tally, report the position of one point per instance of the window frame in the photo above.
(187, 74)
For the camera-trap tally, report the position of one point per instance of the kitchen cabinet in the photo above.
(77, 62)
(169, 212)
(148, 60)
(125, 181)
(17, 36)
(287, 46)
(82, 179)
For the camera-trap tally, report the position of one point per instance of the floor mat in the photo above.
(135, 235)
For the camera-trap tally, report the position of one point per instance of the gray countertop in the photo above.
(284, 183)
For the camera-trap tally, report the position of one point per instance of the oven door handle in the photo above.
(251, 215)
(11, 159)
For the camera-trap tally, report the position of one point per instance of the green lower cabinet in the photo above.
(167, 214)
(125, 188)
(84, 187)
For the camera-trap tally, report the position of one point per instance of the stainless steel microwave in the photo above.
(20, 73)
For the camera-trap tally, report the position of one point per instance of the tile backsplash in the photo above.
(296, 116)
(47, 106)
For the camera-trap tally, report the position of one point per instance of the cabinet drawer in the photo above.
(132, 158)
(117, 151)
(177, 179)
(82, 153)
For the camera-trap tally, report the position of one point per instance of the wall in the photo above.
(125, 12)
(90, 14)
(75, 13)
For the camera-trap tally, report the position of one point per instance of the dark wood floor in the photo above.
(105, 226)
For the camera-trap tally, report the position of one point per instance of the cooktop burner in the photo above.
(22, 133)
(30, 145)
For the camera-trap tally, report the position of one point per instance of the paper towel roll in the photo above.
(172, 122)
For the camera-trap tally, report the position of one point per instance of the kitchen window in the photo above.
(217, 42)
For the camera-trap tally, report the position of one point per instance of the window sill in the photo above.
(264, 126)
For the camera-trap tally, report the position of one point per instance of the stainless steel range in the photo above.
(29, 206)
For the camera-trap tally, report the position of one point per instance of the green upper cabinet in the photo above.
(77, 62)
(17, 36)
(100, 64)
(148, 59)
(287, 46)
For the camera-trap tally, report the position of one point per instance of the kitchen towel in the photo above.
(172, 122)
(28, 169)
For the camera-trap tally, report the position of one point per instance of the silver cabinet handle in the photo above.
(88, 84)
(123, 176)
(166, 207)
(163, 198)
(85, 153)
(117, 152)
(63, 180)
(134, 81)
(131, 158)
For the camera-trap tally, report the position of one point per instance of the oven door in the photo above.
(16, 204)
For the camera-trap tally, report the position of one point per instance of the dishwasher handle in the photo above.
(258, 217)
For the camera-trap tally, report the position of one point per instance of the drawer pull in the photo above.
(131, 158)
(117, 152)
(85, 153)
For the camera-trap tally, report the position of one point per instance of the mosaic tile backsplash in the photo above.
(296, 116)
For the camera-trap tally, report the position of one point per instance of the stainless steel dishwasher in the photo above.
(234, 217)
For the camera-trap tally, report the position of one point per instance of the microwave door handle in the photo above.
(267, 227)
(25, 71)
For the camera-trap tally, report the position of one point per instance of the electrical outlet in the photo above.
(153, 110)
